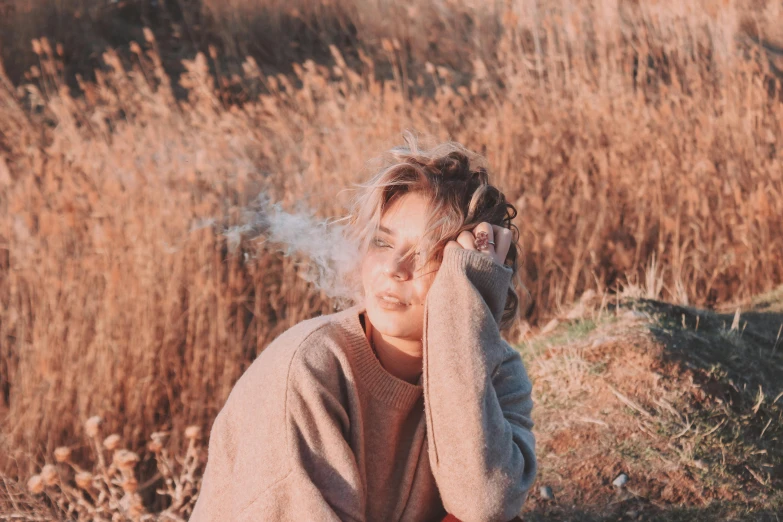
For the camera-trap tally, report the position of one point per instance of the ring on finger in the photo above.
(482, 240)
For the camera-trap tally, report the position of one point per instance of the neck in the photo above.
(400, 357)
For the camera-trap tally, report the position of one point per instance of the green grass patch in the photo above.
(565, 333)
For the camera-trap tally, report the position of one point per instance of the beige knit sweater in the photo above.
(317, 429)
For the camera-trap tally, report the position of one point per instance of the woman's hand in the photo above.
(481, 239)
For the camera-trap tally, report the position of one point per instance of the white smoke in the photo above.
(332, 260)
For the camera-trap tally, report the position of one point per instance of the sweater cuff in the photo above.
(491, 279)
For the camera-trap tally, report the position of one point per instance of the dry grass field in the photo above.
(640, 142)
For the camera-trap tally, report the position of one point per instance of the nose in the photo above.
(397, 268)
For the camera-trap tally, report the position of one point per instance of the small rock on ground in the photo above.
(621, 480)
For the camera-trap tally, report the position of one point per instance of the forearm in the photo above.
(477, 395)
(483, 452)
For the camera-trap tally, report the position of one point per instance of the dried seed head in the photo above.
(154, 446)
(130, 485)
(112, 442)
(92, 426)
(125, 459)
(49, 475)
(84, 479)
(47, 48)
(35, 485)
(136, 510)
(62, 454)
(131, 503)
(192, 432)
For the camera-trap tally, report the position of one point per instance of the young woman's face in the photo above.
(395, 289)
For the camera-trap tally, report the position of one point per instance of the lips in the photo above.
(391, 297)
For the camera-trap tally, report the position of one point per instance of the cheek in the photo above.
(423, 285)
(368, 268)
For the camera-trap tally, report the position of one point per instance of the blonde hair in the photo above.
(456, 182)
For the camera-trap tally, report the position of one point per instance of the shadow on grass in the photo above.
(736, 363)
(746, 353)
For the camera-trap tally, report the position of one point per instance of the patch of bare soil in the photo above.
(692, 417)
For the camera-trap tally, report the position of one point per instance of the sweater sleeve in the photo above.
(278, 448)
(476, 391)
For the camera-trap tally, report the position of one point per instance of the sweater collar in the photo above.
(373, 376)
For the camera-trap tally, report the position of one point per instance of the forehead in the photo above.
(406, 216)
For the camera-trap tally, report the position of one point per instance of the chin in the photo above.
(390, 323)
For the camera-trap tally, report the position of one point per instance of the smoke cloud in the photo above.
(332, 260)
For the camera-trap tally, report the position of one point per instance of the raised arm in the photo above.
(476, 391)
(277, 449)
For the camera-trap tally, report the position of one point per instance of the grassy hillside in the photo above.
(685, 402)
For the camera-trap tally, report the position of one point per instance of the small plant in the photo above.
(111, 491)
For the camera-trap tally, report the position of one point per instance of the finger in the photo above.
(503, 239)
(465, 239)
(485, 228)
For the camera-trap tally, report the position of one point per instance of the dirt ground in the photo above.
(686, 403)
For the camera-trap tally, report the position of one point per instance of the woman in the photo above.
(409, 405)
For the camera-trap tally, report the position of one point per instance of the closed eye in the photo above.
(380, 243)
